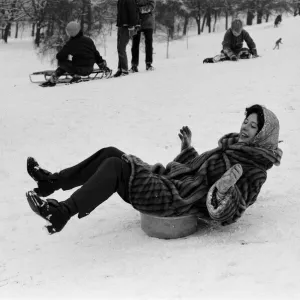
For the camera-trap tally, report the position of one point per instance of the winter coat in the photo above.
(187, 184)
(146, 9)
(127, 13)
(232, 45)
(83, 51)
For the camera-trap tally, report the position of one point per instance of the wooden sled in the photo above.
(42, 76)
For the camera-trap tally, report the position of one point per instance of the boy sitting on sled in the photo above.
(84, 56)
(233, 44)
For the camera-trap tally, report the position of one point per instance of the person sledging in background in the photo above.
(233, 44)
(84, 55)
(279, 41)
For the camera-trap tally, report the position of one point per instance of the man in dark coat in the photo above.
(219, 184)
(127, 23)
(146, 8)
(83, 52)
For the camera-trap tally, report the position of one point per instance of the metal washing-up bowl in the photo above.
(168, 227)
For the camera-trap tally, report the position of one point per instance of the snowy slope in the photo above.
(106, 255)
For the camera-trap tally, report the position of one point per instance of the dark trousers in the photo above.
(148, 33)
(100, 175)
(66, 66)
(122, 42)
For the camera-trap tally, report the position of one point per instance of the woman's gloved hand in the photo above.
(229, 179)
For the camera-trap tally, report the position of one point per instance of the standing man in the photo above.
(146, 8)
(127, 23)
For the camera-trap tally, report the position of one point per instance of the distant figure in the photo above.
(277, 44)
(233, 45)
(84, 55)
(146, 8)
(277, 21)
(128, 25)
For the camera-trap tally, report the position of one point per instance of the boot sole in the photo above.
(31, 164)
(35, 204)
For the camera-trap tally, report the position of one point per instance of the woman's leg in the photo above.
(111, 176)
(82, 172)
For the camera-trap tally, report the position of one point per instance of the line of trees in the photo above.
(207, 13)
(48, 18)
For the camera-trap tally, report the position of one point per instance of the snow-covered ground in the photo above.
(106, 255)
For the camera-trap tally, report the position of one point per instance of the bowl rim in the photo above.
(170, 218)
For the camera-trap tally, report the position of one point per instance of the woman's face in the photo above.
(249, 129)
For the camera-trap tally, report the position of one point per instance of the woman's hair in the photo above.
(256, 109)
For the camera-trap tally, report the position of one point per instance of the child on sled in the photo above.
(233, 44)
(84, 56)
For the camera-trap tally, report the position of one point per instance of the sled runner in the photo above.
(42, 76)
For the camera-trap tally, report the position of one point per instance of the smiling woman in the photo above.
(219, 184)
(252, 124)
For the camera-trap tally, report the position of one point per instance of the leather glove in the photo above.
(229, 179)
(234, 58)
(185, 136)
(103, 65)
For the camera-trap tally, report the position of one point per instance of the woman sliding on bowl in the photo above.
(218, 184)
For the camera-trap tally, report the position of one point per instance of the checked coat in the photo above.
(187, 184)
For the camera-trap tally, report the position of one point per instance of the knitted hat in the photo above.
(237, 25)
(73, 28)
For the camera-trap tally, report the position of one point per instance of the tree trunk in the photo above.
(111, 28)
(50, 27)
(171, 25)
(208, 23)
(267, 17)
(250, 17)
(89, 17)
(82, 15)
(37, 39)
(168, 43)
(17, 30)
(203, 22)
(6, 32)
(33, 29)
(226, 19)
(198, 21)
(185, 25)
(215, 21)
(259, 17)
